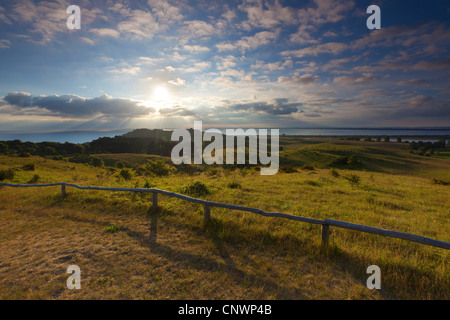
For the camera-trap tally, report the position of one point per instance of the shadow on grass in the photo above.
(239, 236)
(207, 264)
(398, 280)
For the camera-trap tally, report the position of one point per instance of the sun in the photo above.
(161, 94)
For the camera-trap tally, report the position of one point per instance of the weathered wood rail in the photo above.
(326, 223)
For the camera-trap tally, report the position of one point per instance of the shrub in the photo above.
(148, 185)
(49, 150)
(234, 185)
(158, 168)
(4, 148)
(196, 189)
(126, 174)
(7, 174)
(29, 167)
(334, 173)
(346, 161)
(58, 158)
(112, 229)
(441, 182)
(25, 155)
(97, 162)
(288, 169)
(353, 178)
(312, 183)
(120, 165)
(353, 161)
(34, 179)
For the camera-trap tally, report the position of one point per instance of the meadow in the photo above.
(127, 250)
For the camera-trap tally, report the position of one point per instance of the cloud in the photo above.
(178, 82)
(355, 80)
(422, 106)
(302, 80)
(424, 35)
(330, 48)
(198, 29)
(3, 16)
(4, 44)
(267, 16)
(196, 48)
(73, 105)
(139, 25)
(278, 107)
(413, 82)
(431, 65)
(87, 40)
(250, 42)
(105, 32)
(164, 11)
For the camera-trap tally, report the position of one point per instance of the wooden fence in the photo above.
(326, 223)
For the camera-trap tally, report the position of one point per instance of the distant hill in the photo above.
(149, 133)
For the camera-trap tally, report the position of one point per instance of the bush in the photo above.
(148, 185)
(441, 182)
(120, 165)
(34, 179)
(126, 174)
(288, 169)
(49, 151)
(353, 161)
(196, 189)
(4, 148)
(97, 162)
(353, 178)
(334, 173)
(6, 174)
(158, 168)
(25, 155)
(112, 229)
(29, 167)
(346, 161)
(234, 185)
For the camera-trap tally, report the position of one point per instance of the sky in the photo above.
(250, 63)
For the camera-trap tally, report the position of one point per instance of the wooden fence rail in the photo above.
(326, 223)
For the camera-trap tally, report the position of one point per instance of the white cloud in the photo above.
(105, 32)
(165, 12)
(195, 48)
(139, 25)
(251, 42)
(4, 44)
(330, 48)
(178, 82)
(198, 29)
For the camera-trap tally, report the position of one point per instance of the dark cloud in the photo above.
(276, 107)
(302, 80)
(423, 106)
(73, 105)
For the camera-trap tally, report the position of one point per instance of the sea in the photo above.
(418, 134)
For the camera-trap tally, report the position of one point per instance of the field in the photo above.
(126, 250)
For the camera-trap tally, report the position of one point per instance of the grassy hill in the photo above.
(127, 251)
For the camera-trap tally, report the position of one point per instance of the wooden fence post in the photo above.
(207, 213)
(63, 190)
(155, 200)
(325, 234)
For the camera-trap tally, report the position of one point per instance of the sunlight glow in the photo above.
(161, 94)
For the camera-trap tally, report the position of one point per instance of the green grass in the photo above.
(169, 253)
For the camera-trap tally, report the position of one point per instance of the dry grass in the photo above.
(171, 254)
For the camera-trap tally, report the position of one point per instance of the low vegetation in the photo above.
(127, 250)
